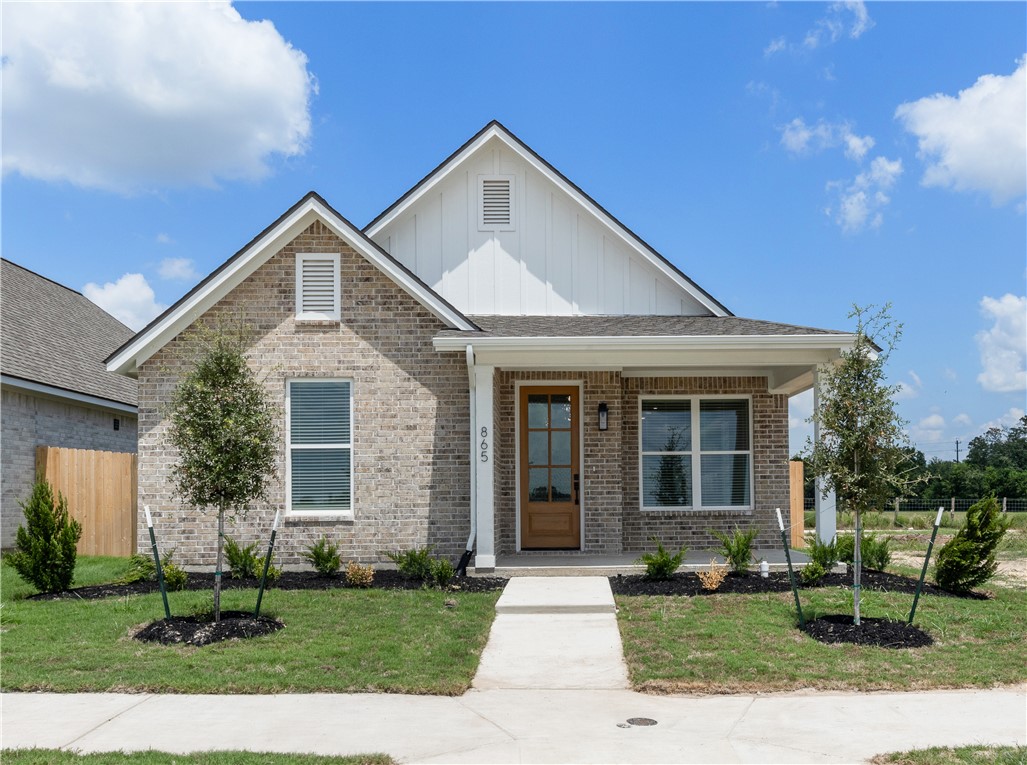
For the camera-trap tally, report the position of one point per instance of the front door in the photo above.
(550, 475)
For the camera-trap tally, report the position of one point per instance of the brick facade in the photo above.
(30, 420)
(410, 414)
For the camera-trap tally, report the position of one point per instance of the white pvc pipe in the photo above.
(274, 526)
(937, 520)
(149, 520)
(780, 522)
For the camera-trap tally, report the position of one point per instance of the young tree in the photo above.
(223, 426)
(862, 449)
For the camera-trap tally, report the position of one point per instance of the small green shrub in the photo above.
(968, 559)
(737, 549)
(141, 568)
(414, 563)
(242, 561)
(46, 546)
(442, 572)
(661, 564)
(874, 551)
(823, 554)
(358, 575)
(811, 573)
(175, 577)
(324, 556)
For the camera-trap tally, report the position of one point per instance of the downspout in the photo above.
(461, 568)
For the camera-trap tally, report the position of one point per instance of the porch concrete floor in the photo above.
(584, 564)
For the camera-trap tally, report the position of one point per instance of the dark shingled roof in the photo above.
(629, 326)
(52, 335)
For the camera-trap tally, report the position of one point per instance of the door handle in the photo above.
(577, 488)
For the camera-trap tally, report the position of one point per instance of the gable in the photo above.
(496, 230)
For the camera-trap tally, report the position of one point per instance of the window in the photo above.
(317, 287)
(320, 447)
(695, 453)
(495, 203)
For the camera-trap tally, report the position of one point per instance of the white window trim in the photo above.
(336, 315)
(320, 514)
(512, 225)
(697, 453)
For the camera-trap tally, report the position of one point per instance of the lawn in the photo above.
(334, 641)
(960, 755)
(61, 757)
(750, 643)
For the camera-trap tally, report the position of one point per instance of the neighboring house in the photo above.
(494, 357)
(56, 390)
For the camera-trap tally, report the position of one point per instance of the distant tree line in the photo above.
(995, 464)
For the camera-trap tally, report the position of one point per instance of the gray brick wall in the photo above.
(28, 420)
(410, 405)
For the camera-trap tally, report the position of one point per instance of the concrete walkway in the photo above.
(521, 726)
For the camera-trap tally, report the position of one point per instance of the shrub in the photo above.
(661, 564)
(141, 568)
(442, 572)
(242, 561)
(737, 548)
(414, 563)
(175, 577)
(823, 554)
(713, 578)
(874, 551)
(921, 521)
(968, 559)
(324, 556)
(46, 546)
(358, 575)
(812, 573)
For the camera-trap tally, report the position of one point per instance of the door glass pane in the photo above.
(561, 478)
(538, 410)
(538, 485)
(561, 454)
(667, 426)
(724, 426)
(725, 480)
(538, 447)
(561, 411)
(667, 480)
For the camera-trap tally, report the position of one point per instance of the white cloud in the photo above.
(134, 96)
(909, 388)
(177, 269)
(130, 300)
(976, 141)
(1003, 348)
(799, 138)
(962, 419)
(916, 379)
(1010, 418)
(860, 203)
(163, 238)
(928, 430)
(775, 46)
(849, 17)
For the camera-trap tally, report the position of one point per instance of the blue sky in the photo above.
(792, 158)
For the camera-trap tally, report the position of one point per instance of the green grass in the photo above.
(960, 755)
(88, 570)
(748, 643)
(919, 520)
(61, 757)
(334, 641)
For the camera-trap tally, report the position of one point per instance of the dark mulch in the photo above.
(203, 630)
(290, 580)
(751, 583)
(884, 633)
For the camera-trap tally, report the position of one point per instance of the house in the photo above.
(55, 388)
(494, 363)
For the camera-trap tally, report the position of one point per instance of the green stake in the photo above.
(927, 560)
(267, 564)
(791, 576)
(156, 560)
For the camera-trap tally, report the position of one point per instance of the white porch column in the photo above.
(825, 511)
(484, 472)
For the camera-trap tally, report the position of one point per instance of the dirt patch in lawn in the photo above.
(884, 633)
(289, 580)
(203, 630)
(1011, 573)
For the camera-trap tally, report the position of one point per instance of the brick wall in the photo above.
(30, 420)
(410, 407)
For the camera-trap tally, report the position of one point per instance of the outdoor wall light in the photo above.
(604, 416)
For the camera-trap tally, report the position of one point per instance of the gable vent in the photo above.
(496, 202)
(317, 287)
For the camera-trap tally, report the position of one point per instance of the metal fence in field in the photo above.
(953, 504)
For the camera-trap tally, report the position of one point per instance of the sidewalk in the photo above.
(512, 726)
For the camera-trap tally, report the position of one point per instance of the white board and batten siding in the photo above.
(555, 257)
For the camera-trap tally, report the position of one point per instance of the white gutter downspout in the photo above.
(461, 568)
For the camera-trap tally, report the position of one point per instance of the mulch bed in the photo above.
(884, 633)
(203, 630)
(386, 579)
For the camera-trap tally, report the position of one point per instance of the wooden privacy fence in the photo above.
(101, 491)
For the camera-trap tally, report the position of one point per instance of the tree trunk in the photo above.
(217, 567)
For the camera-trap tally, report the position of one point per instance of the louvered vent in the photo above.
(317, 286)
(496, 202)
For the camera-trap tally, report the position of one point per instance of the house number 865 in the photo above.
(484, 445)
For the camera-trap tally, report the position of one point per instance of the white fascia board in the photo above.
(663, 342)
(67, 395)
(559, 182)
(143, 346)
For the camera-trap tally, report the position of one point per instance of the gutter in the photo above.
(461, 568)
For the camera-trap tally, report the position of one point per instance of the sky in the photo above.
(794, 159)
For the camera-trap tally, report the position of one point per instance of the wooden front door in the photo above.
(550, 474)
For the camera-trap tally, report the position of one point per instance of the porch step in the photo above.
(556, 595)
